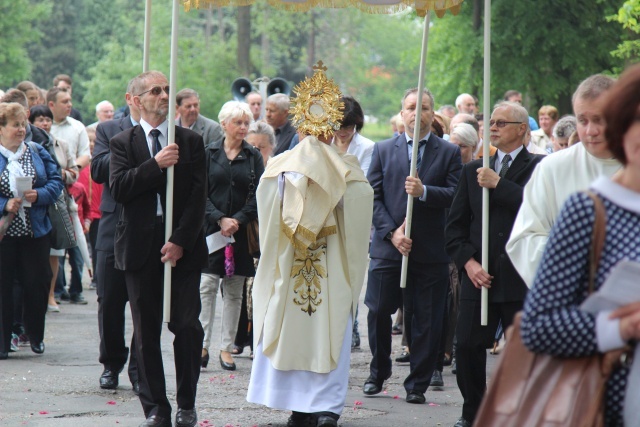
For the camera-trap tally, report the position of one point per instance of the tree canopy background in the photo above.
(543, 49)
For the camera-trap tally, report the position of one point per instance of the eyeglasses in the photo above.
(156, 90)
(502, 123)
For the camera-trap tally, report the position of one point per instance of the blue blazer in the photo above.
(48, 185)
(439, 171)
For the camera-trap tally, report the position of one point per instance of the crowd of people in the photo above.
(330, 205)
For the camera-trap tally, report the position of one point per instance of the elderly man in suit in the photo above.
(277, 116)
(439, 166)
(140, 157)
(188, 106)
(111, 289)
(510, 169)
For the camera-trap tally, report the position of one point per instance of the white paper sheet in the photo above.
(620, 288)
(24, 183)
(217, 241)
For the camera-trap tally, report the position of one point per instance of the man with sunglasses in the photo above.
(140, 157)
(509, 170)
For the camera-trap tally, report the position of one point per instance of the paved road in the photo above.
(60, 388)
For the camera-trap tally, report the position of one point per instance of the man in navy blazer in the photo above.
(427, 279)
(111, 290)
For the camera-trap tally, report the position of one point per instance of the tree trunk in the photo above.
(264, 44)
(208, 26)
(477, 15)
(244, 40)
(311, 47)
(221, 24)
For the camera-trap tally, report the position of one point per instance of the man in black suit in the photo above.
(438, 170)
(139, 159)
(111, 290)
(510, 169)
(277, 116)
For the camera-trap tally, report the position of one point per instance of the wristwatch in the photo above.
(390, 234)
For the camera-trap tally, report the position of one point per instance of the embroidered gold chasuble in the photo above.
(314, 244)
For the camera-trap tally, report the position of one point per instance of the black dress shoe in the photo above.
(37, 348)
(301, 419)
(135, 386)
(204, 360)
(186, 418)
(326, 421)
(436, 380)
(156, 421)
(227, 366)
(396, 330)
(462, 423)
(405, 357)
(415, 397)
(372, 386)
(109, 378)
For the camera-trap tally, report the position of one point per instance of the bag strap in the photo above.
(252, 177)
(597, 239)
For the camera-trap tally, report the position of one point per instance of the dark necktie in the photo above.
(505, 165)
(419, 159)
(155, 134)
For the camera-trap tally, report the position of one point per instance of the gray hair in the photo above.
(101, 104)
(262, 128)
(466, 134)
(592, 87)
(565, 127)
(519, 113)
(234, 110)
(280, 100)
(461, 97)
(184, 94)
(415, 90)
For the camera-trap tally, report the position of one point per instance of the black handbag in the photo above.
(62, 234)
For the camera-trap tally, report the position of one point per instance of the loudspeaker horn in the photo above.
(240, 88)
(278, 85)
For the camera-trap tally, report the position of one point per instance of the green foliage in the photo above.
(208, 70)
(628, 16)
(543, 48)
(19, 27)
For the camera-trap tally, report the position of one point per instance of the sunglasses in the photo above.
(156, 90)
(502, 123)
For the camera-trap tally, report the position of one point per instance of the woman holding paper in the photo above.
(553, 321)
(233, 168)
(24, 250)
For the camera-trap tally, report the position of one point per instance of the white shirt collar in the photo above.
(163, 127)
(409, 138)
(513, 155)
(621, 196)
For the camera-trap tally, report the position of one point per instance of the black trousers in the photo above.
(26, 259)
(93, 238)
(423, 302)
(471, 351)
(112, 302)
(145, 289)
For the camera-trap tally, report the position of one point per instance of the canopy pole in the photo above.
(416, 137)
(486, 143)
(168, 217)
(147, 36)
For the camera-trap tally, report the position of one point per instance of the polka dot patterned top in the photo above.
(552, 321)
(19, 227)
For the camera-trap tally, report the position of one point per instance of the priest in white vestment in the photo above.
(314, 209)
(559, 175)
